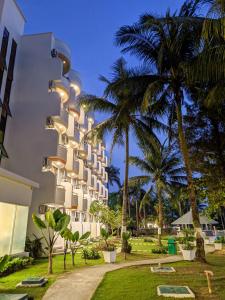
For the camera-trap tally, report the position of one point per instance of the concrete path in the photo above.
(82, 283)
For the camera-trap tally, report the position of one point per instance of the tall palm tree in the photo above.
(113, 175)
(167, 44)
(121, 103)
(162, 169)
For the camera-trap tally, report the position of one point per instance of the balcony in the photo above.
(82, 152)
(58, 123)
(72, 142)
(74, 173)
(74, 111)
(84, 177)
(64, 53)
(75, 82)
(59, 160)
(73, 204)
(105, 161)
(61, 87)
(59, 196)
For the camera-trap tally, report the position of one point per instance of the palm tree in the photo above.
(122, 105)
(162, 169)
(167, 44)
(113, 175)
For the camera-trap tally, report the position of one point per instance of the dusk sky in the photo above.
(88, 27)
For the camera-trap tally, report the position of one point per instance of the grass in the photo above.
(139, 283)
(39, 268)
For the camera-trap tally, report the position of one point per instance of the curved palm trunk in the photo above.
(160, 213)
(144, 216)
(125, 188)
(200, 252)
(137, 217)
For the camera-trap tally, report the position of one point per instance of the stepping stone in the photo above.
(33, 282)
(13, 296)
(175, 291)
(162, 269)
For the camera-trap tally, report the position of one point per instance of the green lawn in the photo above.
(139, 283)
(39, 268)
(138, 245)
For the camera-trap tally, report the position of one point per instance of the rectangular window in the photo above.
(5, 106)
(3, 54)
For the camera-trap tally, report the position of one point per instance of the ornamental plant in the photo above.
(75, 241)
(107, 246)
(55, 223)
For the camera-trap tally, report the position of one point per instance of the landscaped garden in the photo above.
(139, 283)
(40, 266)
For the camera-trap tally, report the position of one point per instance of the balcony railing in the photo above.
(62, 87)
(57, 122)
(75, 81)
(59, 196)
(64, 53)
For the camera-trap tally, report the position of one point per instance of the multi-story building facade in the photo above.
(45, 140)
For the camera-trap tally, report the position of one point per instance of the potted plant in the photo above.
(188, 251)
(108, 249)
(219, 241)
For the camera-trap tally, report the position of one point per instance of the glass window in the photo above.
(20, 229)
(7, 212)
(13, 224)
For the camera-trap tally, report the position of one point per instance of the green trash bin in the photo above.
(172, 249)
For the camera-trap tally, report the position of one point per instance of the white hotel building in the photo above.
(42, 132)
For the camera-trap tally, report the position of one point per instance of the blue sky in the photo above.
(88, 27)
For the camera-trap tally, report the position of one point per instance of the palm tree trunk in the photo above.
(144, 213)
(137, 217)
(160, 214)
(200, 252)
(125, 188)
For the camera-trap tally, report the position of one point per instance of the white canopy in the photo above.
(186, 219)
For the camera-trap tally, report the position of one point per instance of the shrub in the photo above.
(188, 246)
(34, 247)
(159, 250)
(90, 253)
(185, 239)
(220, 239)
(148, 240)
(14, 264)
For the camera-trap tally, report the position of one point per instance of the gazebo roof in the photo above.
(186, 219)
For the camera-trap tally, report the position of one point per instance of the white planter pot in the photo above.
(109, 256)
(188, 254)
(218, 246)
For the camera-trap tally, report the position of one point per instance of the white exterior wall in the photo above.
(70, 165)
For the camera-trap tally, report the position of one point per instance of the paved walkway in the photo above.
(82, 283)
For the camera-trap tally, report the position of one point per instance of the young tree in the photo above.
(162, 169)
(75, 241)
(55, 223)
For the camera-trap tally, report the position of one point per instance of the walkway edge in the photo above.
(82, 283)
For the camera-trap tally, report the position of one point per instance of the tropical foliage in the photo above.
(50, 229)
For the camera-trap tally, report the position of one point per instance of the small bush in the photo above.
(148, 240)
(90, 253)
(127, 248)
(220, 239)
(34, 247)
(15, 264)
(159, 250)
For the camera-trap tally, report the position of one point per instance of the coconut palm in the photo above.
(162, 169)
(167, 44)
(113, 175)
(121, 103)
